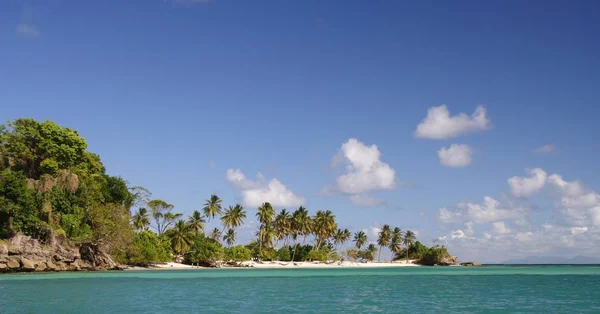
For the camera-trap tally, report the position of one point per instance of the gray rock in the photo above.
(3, 249)
(3, 267)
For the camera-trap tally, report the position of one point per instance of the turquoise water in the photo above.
(490, 289)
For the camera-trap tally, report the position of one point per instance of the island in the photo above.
(61, 211)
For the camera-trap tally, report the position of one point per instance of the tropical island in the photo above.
(61, 211)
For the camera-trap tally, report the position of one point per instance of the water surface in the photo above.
(489, 289)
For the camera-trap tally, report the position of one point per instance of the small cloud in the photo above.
(365, 200)
(548, 148)
(525, 187)
(456, 156)
(256, 192)
(438, 124)
(28, 30)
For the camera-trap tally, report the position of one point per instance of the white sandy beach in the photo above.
(289, 265)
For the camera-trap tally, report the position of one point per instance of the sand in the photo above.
(289, 265)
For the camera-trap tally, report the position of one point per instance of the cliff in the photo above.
(25, 254)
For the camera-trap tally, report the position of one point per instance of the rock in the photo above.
(50, 266)
(41, 266)
(3, 249)
(470, 264)
(3, 267)
(27, 265)
(13, 264)
(15, 250)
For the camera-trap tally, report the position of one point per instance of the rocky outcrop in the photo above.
(470, 264)
(24, 254)
(447, 261)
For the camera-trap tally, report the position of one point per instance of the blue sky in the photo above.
(172, 94)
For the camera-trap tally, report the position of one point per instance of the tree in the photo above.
(181, 237)
(204, 250)
(324, 226)
(383, 238)
(147, 249)
(212, 207)
(265, 214)
(301, 225)
(233, 217)
(370, 252)
(360, 239)
(215, 234)
(283, 226)
(229, 237)
(409, 239)
(396, 241)
(163, 217)
(196, 222)
(238, 253)
(140, 219)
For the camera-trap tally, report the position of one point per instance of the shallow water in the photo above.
(489, 289)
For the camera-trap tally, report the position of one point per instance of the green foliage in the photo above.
(18, 208)
(204, 250)
(318, 255)
(433, 256)
(238, 253)
(284, 254)
(148, 248)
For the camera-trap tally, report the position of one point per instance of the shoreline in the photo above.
(280, 265)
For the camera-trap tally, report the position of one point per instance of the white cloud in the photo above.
(488, 211)
(574, 188)
(578, 230)
(365, 200)
(526, 187)
(456, 156)
(440, 125)
(548, 148)
(29, 30)
(499, 227)
(364, 169)
(256, 192)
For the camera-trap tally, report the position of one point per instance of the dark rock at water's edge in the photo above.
(22, 253)
(470, 264)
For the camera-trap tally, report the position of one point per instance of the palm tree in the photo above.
(233, 217)
(283, 226)
(212, 207)
(409, 239)
(196, 222)
(300, 224)
(371, 249)
(396, 241)
(229, 237)
(324, 226)
(215, 234)
(180, 237)
(265, 214)
(141, 219)
(360, 238)
(383, 238)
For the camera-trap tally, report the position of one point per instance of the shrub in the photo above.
(238, 253)
(283, 254)
(148, 248)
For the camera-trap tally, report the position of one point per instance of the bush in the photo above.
(283, 254)
(318, 255)
(433, 256)
(148, 248)
(204, 250)
(238, 253)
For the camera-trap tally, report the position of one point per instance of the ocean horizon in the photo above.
(498, 289)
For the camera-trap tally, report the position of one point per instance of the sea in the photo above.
(487, 289)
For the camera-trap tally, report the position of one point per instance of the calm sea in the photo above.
(489, 289)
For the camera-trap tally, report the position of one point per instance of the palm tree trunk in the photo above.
(295, 247)
(380, 248)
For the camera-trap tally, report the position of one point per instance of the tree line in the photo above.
(52, 187)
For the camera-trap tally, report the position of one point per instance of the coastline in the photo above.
(281, 265)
